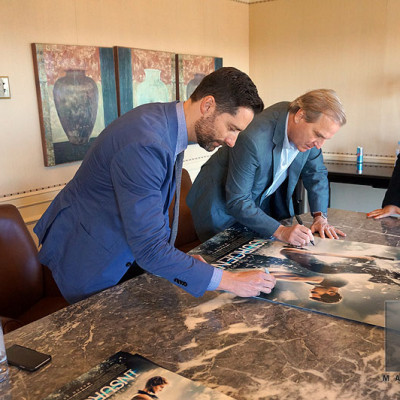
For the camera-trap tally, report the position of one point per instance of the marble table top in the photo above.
(244, 347)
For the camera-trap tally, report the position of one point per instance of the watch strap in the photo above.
(319, 214)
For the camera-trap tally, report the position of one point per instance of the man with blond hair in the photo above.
(253, 182)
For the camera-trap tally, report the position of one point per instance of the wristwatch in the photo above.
(319, 214)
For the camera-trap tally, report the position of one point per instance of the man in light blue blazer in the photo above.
(113, 215)
(253, 182)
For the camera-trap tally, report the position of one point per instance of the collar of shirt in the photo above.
(182, 139)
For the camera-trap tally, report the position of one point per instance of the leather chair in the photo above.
(27, 289)
(186, 238)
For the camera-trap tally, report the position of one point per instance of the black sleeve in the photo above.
(392, 196)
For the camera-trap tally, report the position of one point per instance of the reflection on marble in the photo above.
(245, 348)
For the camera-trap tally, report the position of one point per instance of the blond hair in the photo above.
(318, 102)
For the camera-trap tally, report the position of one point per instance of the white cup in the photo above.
(3, 358)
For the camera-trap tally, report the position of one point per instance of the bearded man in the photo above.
(113, 215)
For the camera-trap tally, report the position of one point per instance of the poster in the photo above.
(347, 279)
(127, 377)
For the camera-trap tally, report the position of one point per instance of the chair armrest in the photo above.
(9, 324)
(50, 287)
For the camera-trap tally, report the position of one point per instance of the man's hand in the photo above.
(247, 283)
(297, 235)
(322, 226)
(384, 212)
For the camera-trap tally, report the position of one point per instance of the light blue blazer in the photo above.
(231, 186)
(115, 210)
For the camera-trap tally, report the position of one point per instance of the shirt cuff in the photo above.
(215, 279)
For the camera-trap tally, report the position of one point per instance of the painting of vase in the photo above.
(77, 98)
(144, 76)
(152, 89)
(192, 69)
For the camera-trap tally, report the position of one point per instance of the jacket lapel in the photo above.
(279, 134)
(277, 141)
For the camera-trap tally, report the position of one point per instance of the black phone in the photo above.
(25, 358)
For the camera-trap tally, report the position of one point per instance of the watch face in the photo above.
(319, 214)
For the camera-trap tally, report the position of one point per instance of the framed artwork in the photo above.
(192, 69)
(4, 88)
(144, 76)
(77, 97)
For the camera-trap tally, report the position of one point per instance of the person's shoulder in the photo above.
(153, 113)
(146, 125)
(276, 109)
(262, 128)
(270, 116)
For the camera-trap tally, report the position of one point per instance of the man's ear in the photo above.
(207, 105)
(298, 116)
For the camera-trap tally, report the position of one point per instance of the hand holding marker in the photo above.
(299, 220)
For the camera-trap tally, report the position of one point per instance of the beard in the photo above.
(206, 133)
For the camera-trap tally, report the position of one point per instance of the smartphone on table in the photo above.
(25, 358)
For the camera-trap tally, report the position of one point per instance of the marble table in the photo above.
(244, 347)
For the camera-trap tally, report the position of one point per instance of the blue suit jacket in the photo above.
(115, 210)
(231, 185)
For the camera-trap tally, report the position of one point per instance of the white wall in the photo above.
(207, 27)
(288, 46)
(352, 46)
(217, 28)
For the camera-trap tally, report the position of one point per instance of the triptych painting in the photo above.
(82, 89)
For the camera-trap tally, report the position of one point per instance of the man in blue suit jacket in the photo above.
(391, 201)
(253, 182)
(114, 213)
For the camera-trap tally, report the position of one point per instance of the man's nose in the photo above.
(319, 143)
(231, 140)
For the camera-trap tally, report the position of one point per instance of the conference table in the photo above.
(246, 348)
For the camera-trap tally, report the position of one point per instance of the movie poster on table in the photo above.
(128, 377)
(338, 277)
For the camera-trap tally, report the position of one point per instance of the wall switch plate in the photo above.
(4, 88)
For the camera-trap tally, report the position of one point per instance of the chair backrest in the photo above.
(186, 231)
(21, 274)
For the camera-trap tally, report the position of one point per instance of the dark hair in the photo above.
(327, 298)
(155, 381)
(231, 89)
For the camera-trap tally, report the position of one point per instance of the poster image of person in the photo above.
(154, 385)
(347, 279)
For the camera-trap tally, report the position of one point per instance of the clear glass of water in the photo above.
(3, 358)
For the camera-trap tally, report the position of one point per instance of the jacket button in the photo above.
(128, 264)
